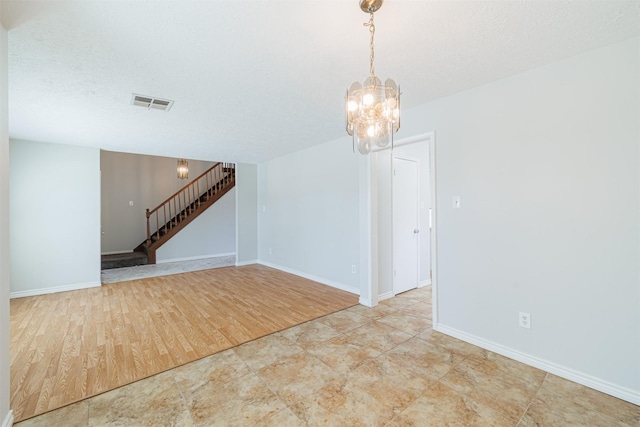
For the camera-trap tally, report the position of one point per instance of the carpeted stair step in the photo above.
(128, 259)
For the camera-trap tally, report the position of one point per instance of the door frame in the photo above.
(419, 225)
(369, 223)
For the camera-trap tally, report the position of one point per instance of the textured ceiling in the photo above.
(253, 80)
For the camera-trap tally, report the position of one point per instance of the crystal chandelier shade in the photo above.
(372, 108)
(183, 169)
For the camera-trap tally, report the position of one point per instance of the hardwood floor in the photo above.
(71, 345)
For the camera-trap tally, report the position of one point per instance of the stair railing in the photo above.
(177, 208)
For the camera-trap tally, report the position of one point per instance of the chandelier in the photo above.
(183, 169)
(372, 109)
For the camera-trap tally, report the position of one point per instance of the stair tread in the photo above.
(126, 255)
(128, 259)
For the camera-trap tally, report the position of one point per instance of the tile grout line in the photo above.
(262, 380)
(532, 399)
(88, 412)
(184, 399)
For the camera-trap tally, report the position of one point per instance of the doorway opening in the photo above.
(403, 218)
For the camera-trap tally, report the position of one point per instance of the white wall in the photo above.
(55, 217)
(144, 180)
(247, 213)
(5, 415)
(547, 166)
(308, 213)
(212, 233)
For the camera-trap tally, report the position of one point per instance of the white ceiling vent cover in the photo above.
(150, 102)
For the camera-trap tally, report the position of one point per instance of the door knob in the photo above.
(416, 231)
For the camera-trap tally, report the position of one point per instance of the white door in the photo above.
(405, 225)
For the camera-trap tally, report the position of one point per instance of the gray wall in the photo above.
(308, 213)
(55, 217)
(547, 166)
(146, 181)
(247, 213)
(4, 230)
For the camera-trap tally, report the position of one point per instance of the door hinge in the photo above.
(430, 274)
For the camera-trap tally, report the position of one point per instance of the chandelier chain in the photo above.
(372, 31)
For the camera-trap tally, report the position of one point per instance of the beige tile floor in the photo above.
(358, 367)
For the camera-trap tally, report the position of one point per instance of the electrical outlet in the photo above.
(130, 202)
(353, 269)
(524, 320)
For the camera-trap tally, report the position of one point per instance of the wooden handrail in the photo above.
(181, 206)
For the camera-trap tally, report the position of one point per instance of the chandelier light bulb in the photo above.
(364, 146)
(371, 131)
(352, 106)
(367, 99)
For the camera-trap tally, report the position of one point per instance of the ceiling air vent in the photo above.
(150, 102)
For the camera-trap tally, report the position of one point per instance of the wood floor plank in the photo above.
(72, 345)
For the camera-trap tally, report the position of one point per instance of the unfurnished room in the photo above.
(319, 213)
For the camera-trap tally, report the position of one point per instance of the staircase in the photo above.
(172, 215)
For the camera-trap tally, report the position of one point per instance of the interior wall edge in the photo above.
(333, 284)
(194, 258)
(54, 289)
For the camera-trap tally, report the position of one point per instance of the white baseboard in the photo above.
(318, 279)
(424, 283)
(193, 258)
(64, 288)
(366, 302)
(241, 263)
(8, 420)
(385, 296)
(620, 392)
